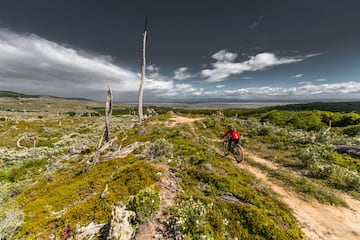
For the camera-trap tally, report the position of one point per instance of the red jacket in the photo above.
(234, 134)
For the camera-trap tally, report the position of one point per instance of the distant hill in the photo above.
(16, 95)
(22, 95)
(344, 107)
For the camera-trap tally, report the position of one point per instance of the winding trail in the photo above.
(156, 228)
(316, 220)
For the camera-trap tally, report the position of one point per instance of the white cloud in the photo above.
(184, 91)
(182, 74)
(307, 89)
(160, 87)
(321, 80)
(304, 82)
(172, 90)
(313, 55)
(256, 22)
(152, 68)
(153, 84)
(33, 64)
(156, 76)
(224, 68)
(297, 76)
(223, 55)
(247, 78)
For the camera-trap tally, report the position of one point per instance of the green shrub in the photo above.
(23, 170)
(340, 177)
(352, 131)
(145, 204)
(11, 219)
(190, 218)
(70, 197)
(158, 149)
(313, 154)
(306, 120)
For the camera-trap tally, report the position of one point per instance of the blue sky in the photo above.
(196, 50)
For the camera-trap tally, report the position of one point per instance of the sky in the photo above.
(220, 51)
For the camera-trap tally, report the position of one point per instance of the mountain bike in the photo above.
(235, 149)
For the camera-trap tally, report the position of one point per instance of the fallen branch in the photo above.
(108, 144)
(178, 186)
(121, 153)
(65, 138)
(23, 137)
(102, 196)
(88, 232)
(230, 199)
(8, 131)
(97, 152)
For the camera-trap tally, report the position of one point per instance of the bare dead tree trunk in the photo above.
(106, 135)
(328, 129)
(143, 66)
(108, 112)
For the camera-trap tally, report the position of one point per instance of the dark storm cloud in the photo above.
(31, 62)
(67, 48)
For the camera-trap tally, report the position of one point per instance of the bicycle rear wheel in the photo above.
(225, 147)
(238, 153)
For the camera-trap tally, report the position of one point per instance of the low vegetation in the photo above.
(49, 181)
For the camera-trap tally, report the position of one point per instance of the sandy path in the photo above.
(189, 121)
(156, 228)
(316, 220)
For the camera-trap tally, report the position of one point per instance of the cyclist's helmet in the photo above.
(231, 128)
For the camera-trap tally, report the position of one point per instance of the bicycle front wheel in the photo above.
(238, 153)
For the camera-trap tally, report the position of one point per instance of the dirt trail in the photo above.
(189, 121)
(156, 229)
(317, 221)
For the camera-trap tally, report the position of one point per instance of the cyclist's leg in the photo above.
(230, 143)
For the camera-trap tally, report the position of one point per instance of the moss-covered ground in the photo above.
(50, 180)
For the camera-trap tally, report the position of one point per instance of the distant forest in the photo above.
(344, 107)
(16, 95)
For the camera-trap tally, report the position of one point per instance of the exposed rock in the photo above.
(229, 199)
(88, 232)
(120, 226)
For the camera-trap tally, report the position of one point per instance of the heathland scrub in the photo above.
(174, 166)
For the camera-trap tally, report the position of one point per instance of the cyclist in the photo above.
(232, 136)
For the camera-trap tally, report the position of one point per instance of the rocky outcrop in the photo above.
(121, 227)
(88, 232)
